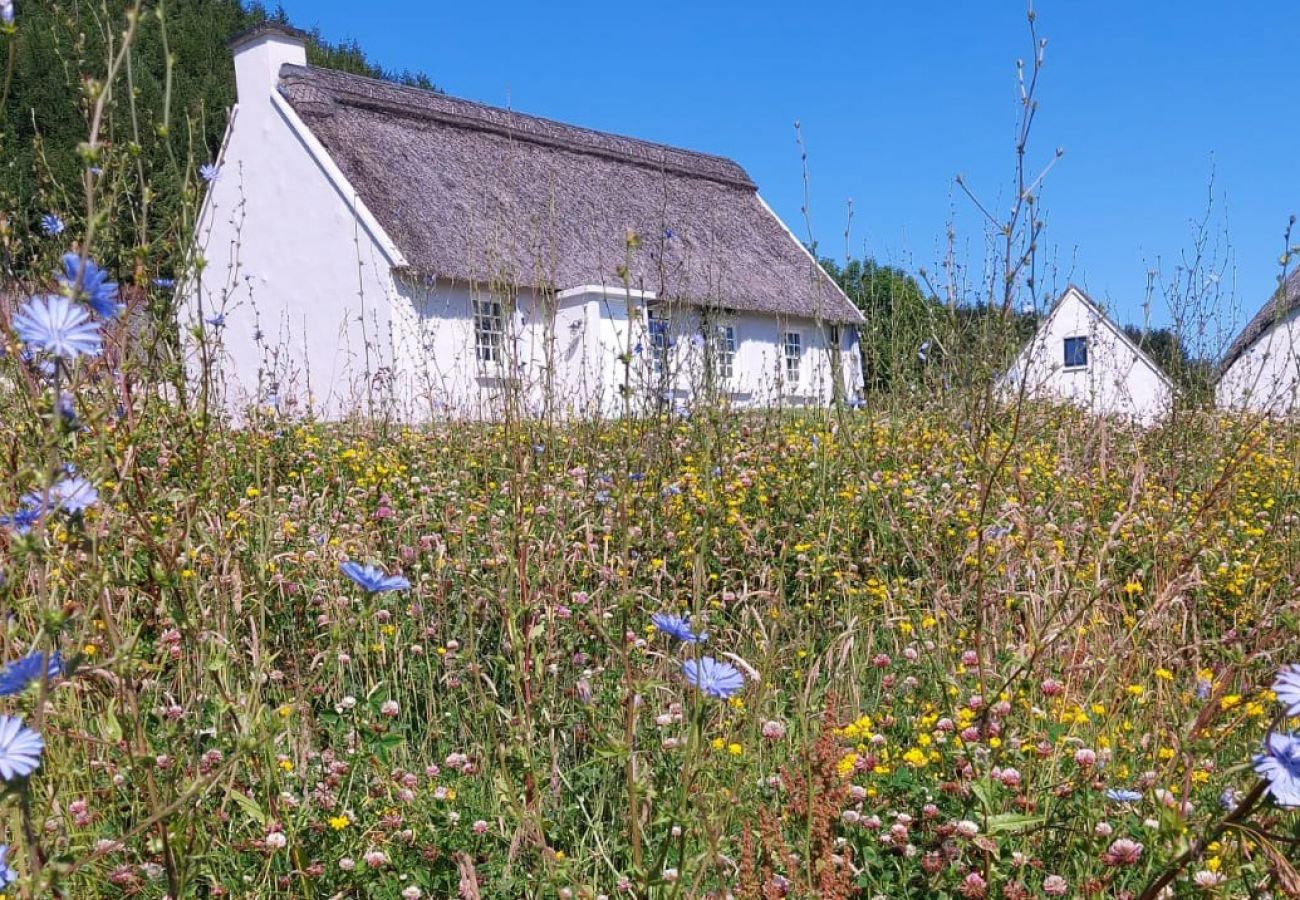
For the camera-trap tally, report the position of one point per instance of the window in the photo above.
(657, 326)
(1076, 352)
(833, 337)
(489, 330)
(724, 351)
(793, 356)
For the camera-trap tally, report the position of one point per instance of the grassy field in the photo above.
(976, 659)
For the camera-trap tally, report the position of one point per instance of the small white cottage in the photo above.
(373, 247)
(1260, 371)
(1080, 356)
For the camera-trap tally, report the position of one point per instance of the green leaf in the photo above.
(110, 729)
(1013, 823)
(250, 807)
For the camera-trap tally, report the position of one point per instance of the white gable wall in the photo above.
(303, 285)
(1266, 377)
(1117, 379)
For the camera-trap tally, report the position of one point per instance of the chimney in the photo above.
(259, 53)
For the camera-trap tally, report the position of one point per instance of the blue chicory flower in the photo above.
(90, 283)
(1120, 795)
(23, 518)
(1287, 688)
(56, 325)
(72, 494)
(7, 874)
(209, 172)
(1279, 765)
(677, 627)
(20, 749)
(20, 673)
(52, 225)
(373, 579)
(715, 679)
(7, 11)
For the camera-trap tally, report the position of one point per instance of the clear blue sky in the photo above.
(1146, 99)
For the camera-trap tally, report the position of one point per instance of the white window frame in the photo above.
(489, 331)
(724, 352)
(1065, 363)
(657, 337)
(793, 361)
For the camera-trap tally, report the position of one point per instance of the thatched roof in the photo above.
(1284, 300)
(484, 195)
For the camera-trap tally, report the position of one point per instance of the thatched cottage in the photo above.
(1079, 355)
(1260, 371)
(369, 246)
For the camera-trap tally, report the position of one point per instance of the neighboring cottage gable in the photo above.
(1078, 355)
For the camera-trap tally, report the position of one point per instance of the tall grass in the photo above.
(989, 647)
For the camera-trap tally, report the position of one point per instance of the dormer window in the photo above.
(1076, 352)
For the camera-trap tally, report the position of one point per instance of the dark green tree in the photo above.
(161, 121)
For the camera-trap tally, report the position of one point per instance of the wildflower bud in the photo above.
(1103, 830)
(974, 886)
(480, 827)
(1055, 886)
(773, 730)
(1085, 758)
(1050, 687)
(1123, 852)
(970, 658)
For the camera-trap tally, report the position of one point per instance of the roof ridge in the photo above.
(384, 96)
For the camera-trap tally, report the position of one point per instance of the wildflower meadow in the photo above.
(937, 644)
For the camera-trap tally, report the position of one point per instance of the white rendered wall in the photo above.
(1116, 381)
(1266, 377)
(303, 287)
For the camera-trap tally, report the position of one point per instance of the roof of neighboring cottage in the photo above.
(485, 195)
(1285, 299)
